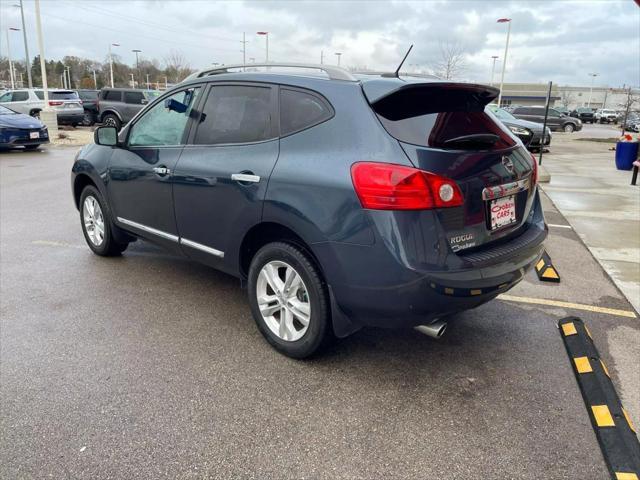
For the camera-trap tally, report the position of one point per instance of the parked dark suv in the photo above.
(340, 201)
(90, 104)
(585, 114)
(116, 106)
(555, 119)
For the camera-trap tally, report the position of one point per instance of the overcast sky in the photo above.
(561, 41)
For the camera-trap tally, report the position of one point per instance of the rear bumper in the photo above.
(70, 117)
(380, 285)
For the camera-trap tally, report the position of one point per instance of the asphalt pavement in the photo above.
(150, 366)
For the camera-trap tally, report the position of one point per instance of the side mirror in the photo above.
(144, 101)
(107, 136)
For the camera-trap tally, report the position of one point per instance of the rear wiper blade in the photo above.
(476, 138)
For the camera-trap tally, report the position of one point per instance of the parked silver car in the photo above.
(66, 103)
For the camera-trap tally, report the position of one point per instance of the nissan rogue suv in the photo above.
(340, 201)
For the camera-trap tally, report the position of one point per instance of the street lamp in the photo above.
(12, 72)
(266, 36)
(111, 61)
(504, 59)
(338, 54)
(136, 51)
(493, 68)
(26, 46)
(593, 77)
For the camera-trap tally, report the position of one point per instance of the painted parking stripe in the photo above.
(573, 306)
(611, 423)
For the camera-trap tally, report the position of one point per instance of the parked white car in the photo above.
(66, 103)
(604, 115)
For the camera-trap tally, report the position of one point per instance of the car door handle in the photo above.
(162, 171)
(245, 178)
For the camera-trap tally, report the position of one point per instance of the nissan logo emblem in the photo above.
(508, 164)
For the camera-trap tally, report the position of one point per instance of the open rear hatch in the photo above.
(444, 129)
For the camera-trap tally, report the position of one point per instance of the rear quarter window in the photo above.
(300, 110)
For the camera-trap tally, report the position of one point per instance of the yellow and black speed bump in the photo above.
(611, 423)
(545, 269)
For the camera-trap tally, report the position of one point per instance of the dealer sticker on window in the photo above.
(503, 212)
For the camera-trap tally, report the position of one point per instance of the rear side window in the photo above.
(235, 114)
(135, 98)
(112, 95)
(300, 110)
(20, 96)
(39, 94)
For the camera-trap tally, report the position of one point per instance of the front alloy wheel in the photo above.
(569, 128)
(93, 220)
(283, 300)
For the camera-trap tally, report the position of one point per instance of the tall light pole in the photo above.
(95, 80)
(111, 61)
(12, 72)
(593, 77)
(26, 46)
(493, 68)
(504, 58)
(244, 48)
(48, 116)
(338, 54)
(148, 88)
(67, 70)
(266, 36)
(321, 57)
(136, 51)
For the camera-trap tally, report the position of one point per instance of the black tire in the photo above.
(109, 246)
(88, 119)
(569, 128)
(319, 331)
(112, 120)
(31, 147)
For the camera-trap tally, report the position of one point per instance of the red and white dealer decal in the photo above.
(503, 212)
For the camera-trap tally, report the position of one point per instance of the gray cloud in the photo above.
(551, 40)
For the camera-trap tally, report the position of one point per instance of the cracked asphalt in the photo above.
(150, 366)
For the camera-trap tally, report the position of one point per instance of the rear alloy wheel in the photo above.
(96, 224)
(288, 300)
(110, 120)
(569, 128)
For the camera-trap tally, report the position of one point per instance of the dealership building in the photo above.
(563, 95)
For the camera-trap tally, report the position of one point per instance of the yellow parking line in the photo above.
(574, 306)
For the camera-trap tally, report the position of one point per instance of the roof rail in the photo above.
(333, 72)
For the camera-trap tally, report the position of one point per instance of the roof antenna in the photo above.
(397, 72)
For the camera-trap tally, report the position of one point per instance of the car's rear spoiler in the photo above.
(414, 99)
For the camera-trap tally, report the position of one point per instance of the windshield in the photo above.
(500, 113)
(584, 110)
(6, 111)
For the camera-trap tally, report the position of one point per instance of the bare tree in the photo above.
(452, 63)
(177, 67)
(632, 99)
(566, 98)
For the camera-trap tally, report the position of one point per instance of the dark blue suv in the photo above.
(340, 200)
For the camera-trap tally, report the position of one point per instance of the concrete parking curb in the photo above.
(611, 423)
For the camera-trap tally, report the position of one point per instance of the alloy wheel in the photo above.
(283, 300)
(93, 220)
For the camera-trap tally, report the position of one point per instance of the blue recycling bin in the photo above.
(626, 154)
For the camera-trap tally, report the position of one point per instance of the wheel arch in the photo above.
(81, 181)
(110, 111)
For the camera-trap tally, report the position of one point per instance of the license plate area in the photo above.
(34, 135)
(502, 212)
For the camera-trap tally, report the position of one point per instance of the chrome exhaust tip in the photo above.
(433, 330)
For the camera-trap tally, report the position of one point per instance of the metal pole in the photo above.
(267, 37)
(69, 77)
(504, 63)
(148, 88)
(544, 124)
(26, 47)
(11, 73)
(50, 118)
(244, 49)
(493, 68)
(321, 57)
(166, 83)
(133, 82)
(593, 77)
(95, 81)
(111, 65)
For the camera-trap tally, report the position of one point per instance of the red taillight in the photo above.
(534, 173)
(384, 186)
(54, 103)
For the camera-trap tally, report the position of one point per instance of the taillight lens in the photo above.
(54, 103)
(385, 186)
(534, 173)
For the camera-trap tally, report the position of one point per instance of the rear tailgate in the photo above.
(444, 129)
(65, 99)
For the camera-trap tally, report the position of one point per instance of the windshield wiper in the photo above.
(487, 139)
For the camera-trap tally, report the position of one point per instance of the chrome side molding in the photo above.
(245, 177)
(173, 238)
(489, 193)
